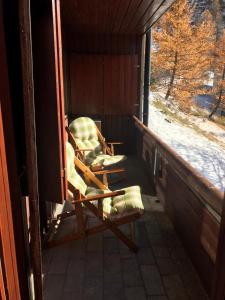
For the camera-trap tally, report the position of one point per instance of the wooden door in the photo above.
(86, 75)
(121, 84)
(49, 101)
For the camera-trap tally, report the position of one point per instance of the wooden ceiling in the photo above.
(112, 16)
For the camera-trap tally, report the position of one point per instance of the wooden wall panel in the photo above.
(103, 43)
(121, 86)
(86, 75)
(197, 228)
(105, 85)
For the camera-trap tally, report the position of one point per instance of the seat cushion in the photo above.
(105, 160)
(91, 144)
(122, 204)
(128, 202)
(106, 202)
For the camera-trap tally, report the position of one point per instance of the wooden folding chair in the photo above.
(95, 168)
(112, 209)
(94, 151)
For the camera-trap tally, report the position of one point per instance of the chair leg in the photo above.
(132, 230)
(113, 227)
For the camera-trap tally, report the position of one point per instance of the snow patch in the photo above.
(204, 155)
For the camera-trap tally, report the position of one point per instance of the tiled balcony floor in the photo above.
(101, 267)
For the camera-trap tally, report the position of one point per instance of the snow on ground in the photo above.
(204, 155)
(210, 127)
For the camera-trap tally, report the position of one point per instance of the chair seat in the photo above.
(119, 205)
(105, 160)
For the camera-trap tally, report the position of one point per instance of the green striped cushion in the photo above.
(105, 160)
(72, 174)
(84, 128)
(129, 201)
(106, 202)
(85, 134)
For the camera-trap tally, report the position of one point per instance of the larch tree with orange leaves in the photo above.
(181, 53)
(218, 66)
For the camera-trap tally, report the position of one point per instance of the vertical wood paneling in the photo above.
(86, 75)
(104, 84)
(120, 84)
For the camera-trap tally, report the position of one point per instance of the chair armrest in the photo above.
(111, 146)
(100, 197)
(115, 143)
(96, 168)
(82, 150)
(101, 172)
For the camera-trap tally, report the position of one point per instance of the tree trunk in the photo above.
(172, 77)
(219, 99)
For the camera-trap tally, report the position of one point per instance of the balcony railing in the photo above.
(193, 203)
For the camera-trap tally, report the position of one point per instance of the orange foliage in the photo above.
(181, 53)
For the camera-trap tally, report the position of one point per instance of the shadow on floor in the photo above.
(101, 267)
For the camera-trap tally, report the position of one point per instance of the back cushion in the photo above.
(85, 134)
(84, 128)
(72, 174)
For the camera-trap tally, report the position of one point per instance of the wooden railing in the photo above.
(192, 202)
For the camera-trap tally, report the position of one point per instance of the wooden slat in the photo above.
(130, 14)
(146, 7)
(109, 17)
(159, 10)
(123, 9)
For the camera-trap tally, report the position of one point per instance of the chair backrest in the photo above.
(85, 134)
(72, 174)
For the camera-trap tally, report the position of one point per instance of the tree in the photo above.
(182, 52)
(219, 69)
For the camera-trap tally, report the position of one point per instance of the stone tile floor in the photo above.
(101, 267)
